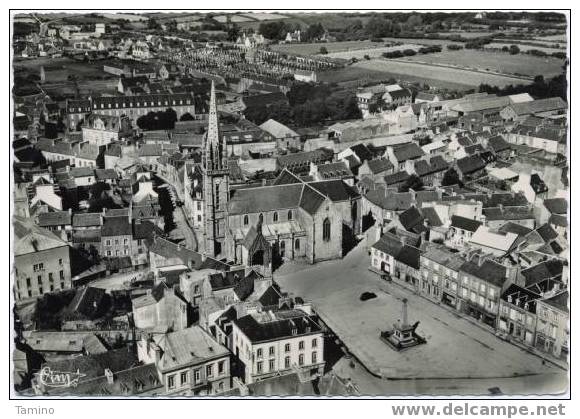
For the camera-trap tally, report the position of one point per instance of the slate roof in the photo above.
(409, 256)
(443, 256)
(389, 244)
(506, 199)
(86, 302)
(362, 152)
(431, 216)
(490, 271)
(546, 232)
(259, 329)
(396, 178)
(106, 174)
(56, 218)
(464, 223)
(556, 205)
(559, 301)
(470, 164)
(115, 226)
(538, 106)
(407, 151)
(336, 190)
(515, 228)
(90, 219)
(334, 170)
(549, 269)
(411, 218)
(390, 200)
(30, 238)
(510, 213)
(498, 143)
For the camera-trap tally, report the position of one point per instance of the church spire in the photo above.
(214, 150)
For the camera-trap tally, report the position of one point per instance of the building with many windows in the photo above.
(41, 260)
(189, 362)
(277, 343)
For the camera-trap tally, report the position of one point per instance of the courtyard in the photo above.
(455, 349)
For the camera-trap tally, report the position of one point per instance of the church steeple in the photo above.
(214, 149)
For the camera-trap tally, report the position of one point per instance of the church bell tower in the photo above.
(215, 184)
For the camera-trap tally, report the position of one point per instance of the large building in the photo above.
(270, 344)
(41, 261)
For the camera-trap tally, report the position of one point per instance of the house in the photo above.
(41, 260)
(285, 137)
(116, 237)
(496, 243)
(496, 217)
(439, 268)
(470, 167)
(398, 97)
(375, 169)
(516, 112)
(400, 154)
(277, 343)
(329, 171)
(161, 309)
(517, 314)
(461, 231)
(553, 332)
(300, 162)
(306, 76)
(430, 170)
(59, 222)
(189, 362)
(427, 97)
(555, 212)
(482, 282)
(531, 185)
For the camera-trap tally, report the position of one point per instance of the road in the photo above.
(483, 360)
(183, 225)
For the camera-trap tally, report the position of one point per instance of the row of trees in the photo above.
(277, 30)
(162, 120)
(309, 105)
(539, 89)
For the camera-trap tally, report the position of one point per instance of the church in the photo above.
(265, 225)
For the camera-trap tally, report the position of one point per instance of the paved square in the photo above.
(455, 348)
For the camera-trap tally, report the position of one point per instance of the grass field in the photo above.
(372, 52)
(332, 47)
(495, 61)
(450, 78)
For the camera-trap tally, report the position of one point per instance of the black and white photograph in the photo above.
(301, 203)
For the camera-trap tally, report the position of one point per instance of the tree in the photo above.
(379, 27)
(233, 32)
(187, 117)
(323, 50)
(153, 24)
(275, 30)
(413, 182)
(514, 50)
(314, 32)
(451, 177)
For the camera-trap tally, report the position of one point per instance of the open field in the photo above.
(263, 16)
(494, 61)
(233, 18)
(332, 47)
(522, 47)
(372, 52)
(443, 77)
(442, 42)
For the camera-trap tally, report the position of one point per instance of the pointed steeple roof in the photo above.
(214, 151)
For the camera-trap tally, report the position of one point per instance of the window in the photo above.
(301, 345)
(271, 365)
(209, 370)
(60, 262)
(221, 387)
(275, 216)
(50, 277)
(199, 205)
(326, 230)
(125, 241)
(314, 343)
(314, 357)
(259, 353)
(297, 244)
(171, 381)
(116, 241)
(259, 367)
(271, 351)
(183, 378)
(287, 347)
(290, 215)
(217, 196)
(246, 220)
(197, 376)
(301, 359)
(108, 253)
(28, 282)
(221, 367)
(287, 362)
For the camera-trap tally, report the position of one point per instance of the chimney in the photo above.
(157, 350)
(110, 376)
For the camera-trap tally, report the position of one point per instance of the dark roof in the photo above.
(57, 218)
(223, 280)
(116, 226)
(145, 230)
(519, 296)
(546, 232)
(311, 200)
(515, 228)
(498, 143)
(506, 199)
(377, 166)
(397, 178)
(558, 220)
(510, 213)
(489, 271)
(411, 218)
(336, 190)
(537, 184)
(464, 223)
(556, 205)
(86, 302)
(87, 219)
(470, 164)
(390, 200)
(277, 328)
(362, 152)
(407, 151)
(545, 270)
(389, 244)
(401, 93)
(103, 174)
(431, 216)
(559, 301)
(409, 256)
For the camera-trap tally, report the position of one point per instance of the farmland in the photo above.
(444, 77)
(494, 61)
(332, 47)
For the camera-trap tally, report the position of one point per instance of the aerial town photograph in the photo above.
(289, 203)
